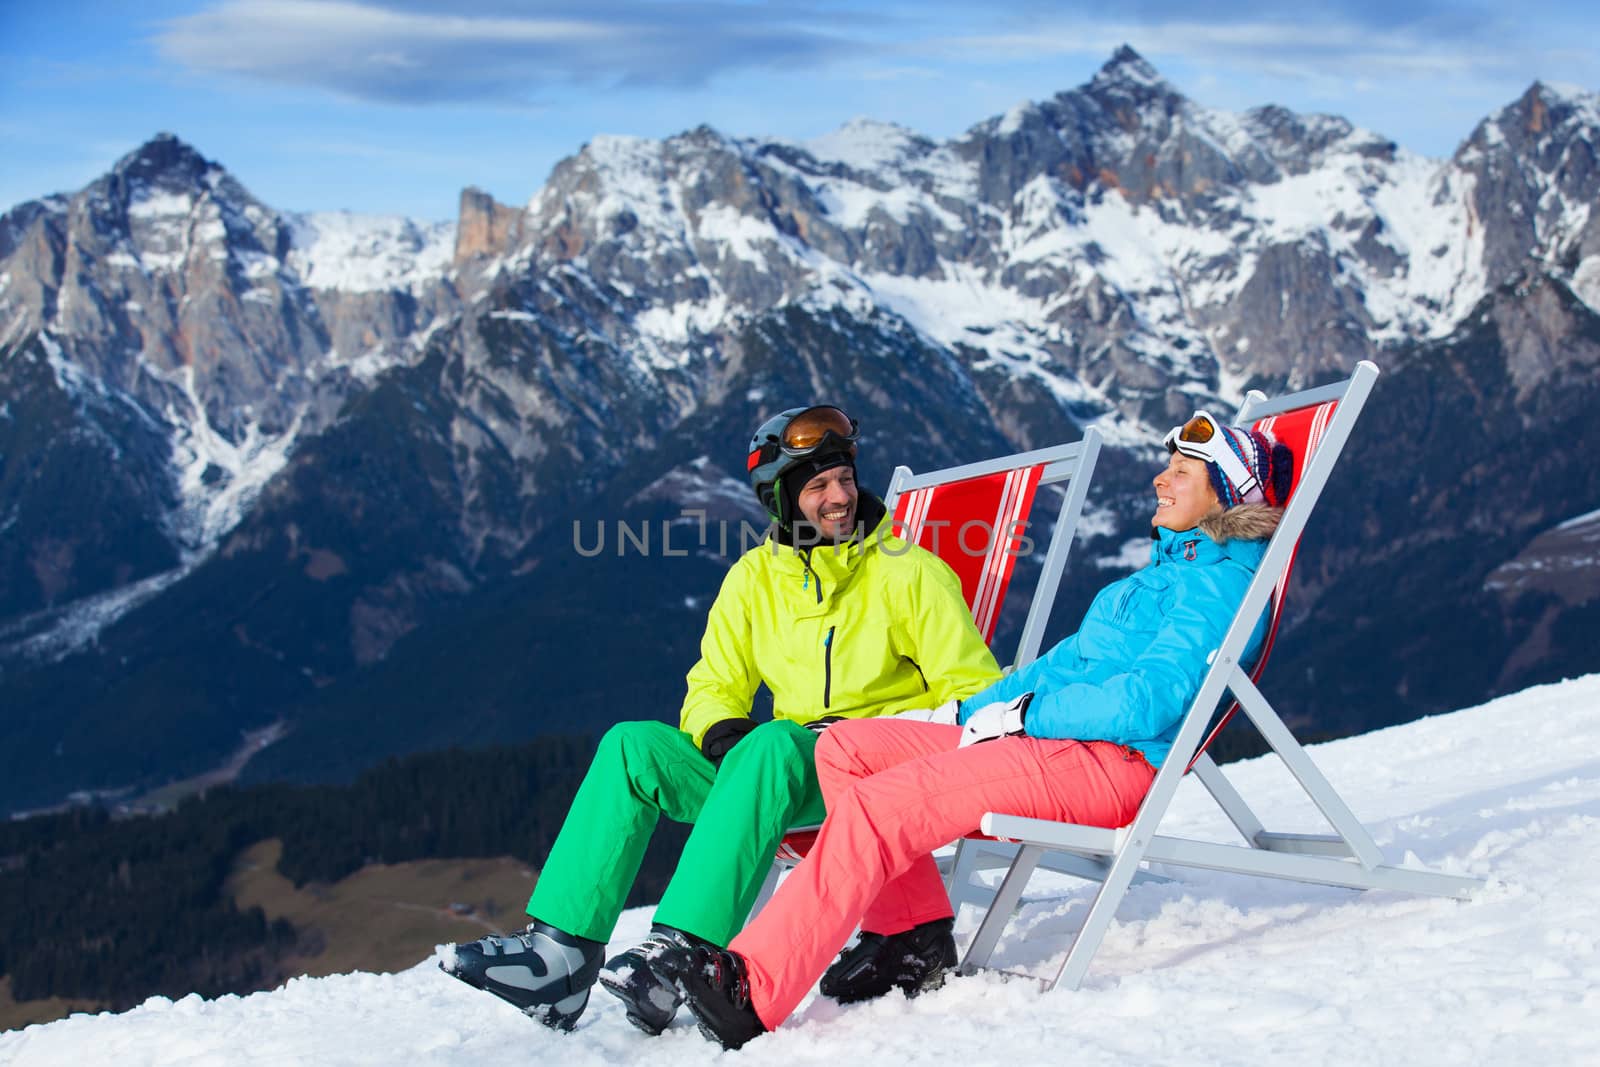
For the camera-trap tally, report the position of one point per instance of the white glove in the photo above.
(945, 714)
(1001, 719)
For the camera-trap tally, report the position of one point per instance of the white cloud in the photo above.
(1308, 47)
(425, 53)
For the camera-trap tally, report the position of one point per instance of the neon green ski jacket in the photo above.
(870, 627)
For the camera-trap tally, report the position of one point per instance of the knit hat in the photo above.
(1261, 459)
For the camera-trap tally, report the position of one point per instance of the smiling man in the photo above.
(840, 620)
(828, 503)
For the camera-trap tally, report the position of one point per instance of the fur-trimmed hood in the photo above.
(1243, 522)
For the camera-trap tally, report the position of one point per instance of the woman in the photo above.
(1075, 736)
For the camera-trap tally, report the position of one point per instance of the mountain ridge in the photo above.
(322, 434)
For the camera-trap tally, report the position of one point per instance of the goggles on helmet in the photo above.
(809, 432)
(1202, 438)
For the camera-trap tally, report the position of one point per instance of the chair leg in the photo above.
(768, 887)
(999, 913)
(1075, 964)
(963, 868)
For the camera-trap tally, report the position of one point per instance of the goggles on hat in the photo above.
(1202, 438)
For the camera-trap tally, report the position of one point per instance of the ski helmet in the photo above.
(817, 438)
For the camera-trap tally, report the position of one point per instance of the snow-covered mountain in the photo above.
(261, 449)
(227, 328)
(1212, 969)
(1119, 244)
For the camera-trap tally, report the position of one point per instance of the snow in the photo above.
(1580, 520)
(634, 182)
(210, 508)
(963, 307)
(1212, 968)
(58, 632)
(736, 234)
(148, 203)
(1423, 209)
(368, 253)
(1014, 118)
(675, 324)
(864, 144)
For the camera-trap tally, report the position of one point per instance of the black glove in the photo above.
(816, 726)
(722, 736)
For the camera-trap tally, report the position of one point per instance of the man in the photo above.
(838, 626)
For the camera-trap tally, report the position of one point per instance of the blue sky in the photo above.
(394, 106)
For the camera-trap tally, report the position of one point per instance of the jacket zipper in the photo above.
(810, 574)
(827, 668)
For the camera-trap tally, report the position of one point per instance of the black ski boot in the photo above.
(651, 1001)
(716, 988)
(543, 971)
(913, 960)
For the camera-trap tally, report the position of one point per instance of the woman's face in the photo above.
(1183, 494)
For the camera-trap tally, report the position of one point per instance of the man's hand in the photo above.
(722, 736)
(945, 714)
(996, 720)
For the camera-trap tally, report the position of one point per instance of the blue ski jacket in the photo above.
(1137, 661)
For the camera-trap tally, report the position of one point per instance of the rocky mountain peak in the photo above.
(1536, 172)
(165, 164)
(1543, 113)
(1132, 91)
(486, 227)
(1127, 70)
(1545, 107)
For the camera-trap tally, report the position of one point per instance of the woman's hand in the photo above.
(996, 720)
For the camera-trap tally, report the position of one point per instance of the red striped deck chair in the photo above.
(975, 518)
(1316, 424)
(1303, 433)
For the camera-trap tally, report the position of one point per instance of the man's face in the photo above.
(828, 502)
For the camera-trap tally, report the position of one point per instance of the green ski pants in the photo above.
(643, 770)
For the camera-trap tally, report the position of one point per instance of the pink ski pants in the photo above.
(896, 791)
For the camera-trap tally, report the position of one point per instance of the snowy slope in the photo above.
(357, 253)
(1215, 969)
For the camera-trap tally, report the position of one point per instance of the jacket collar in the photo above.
(1239, 534)
(833, 565)
(1189, 546)
(1195, 546)
(870, 513)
